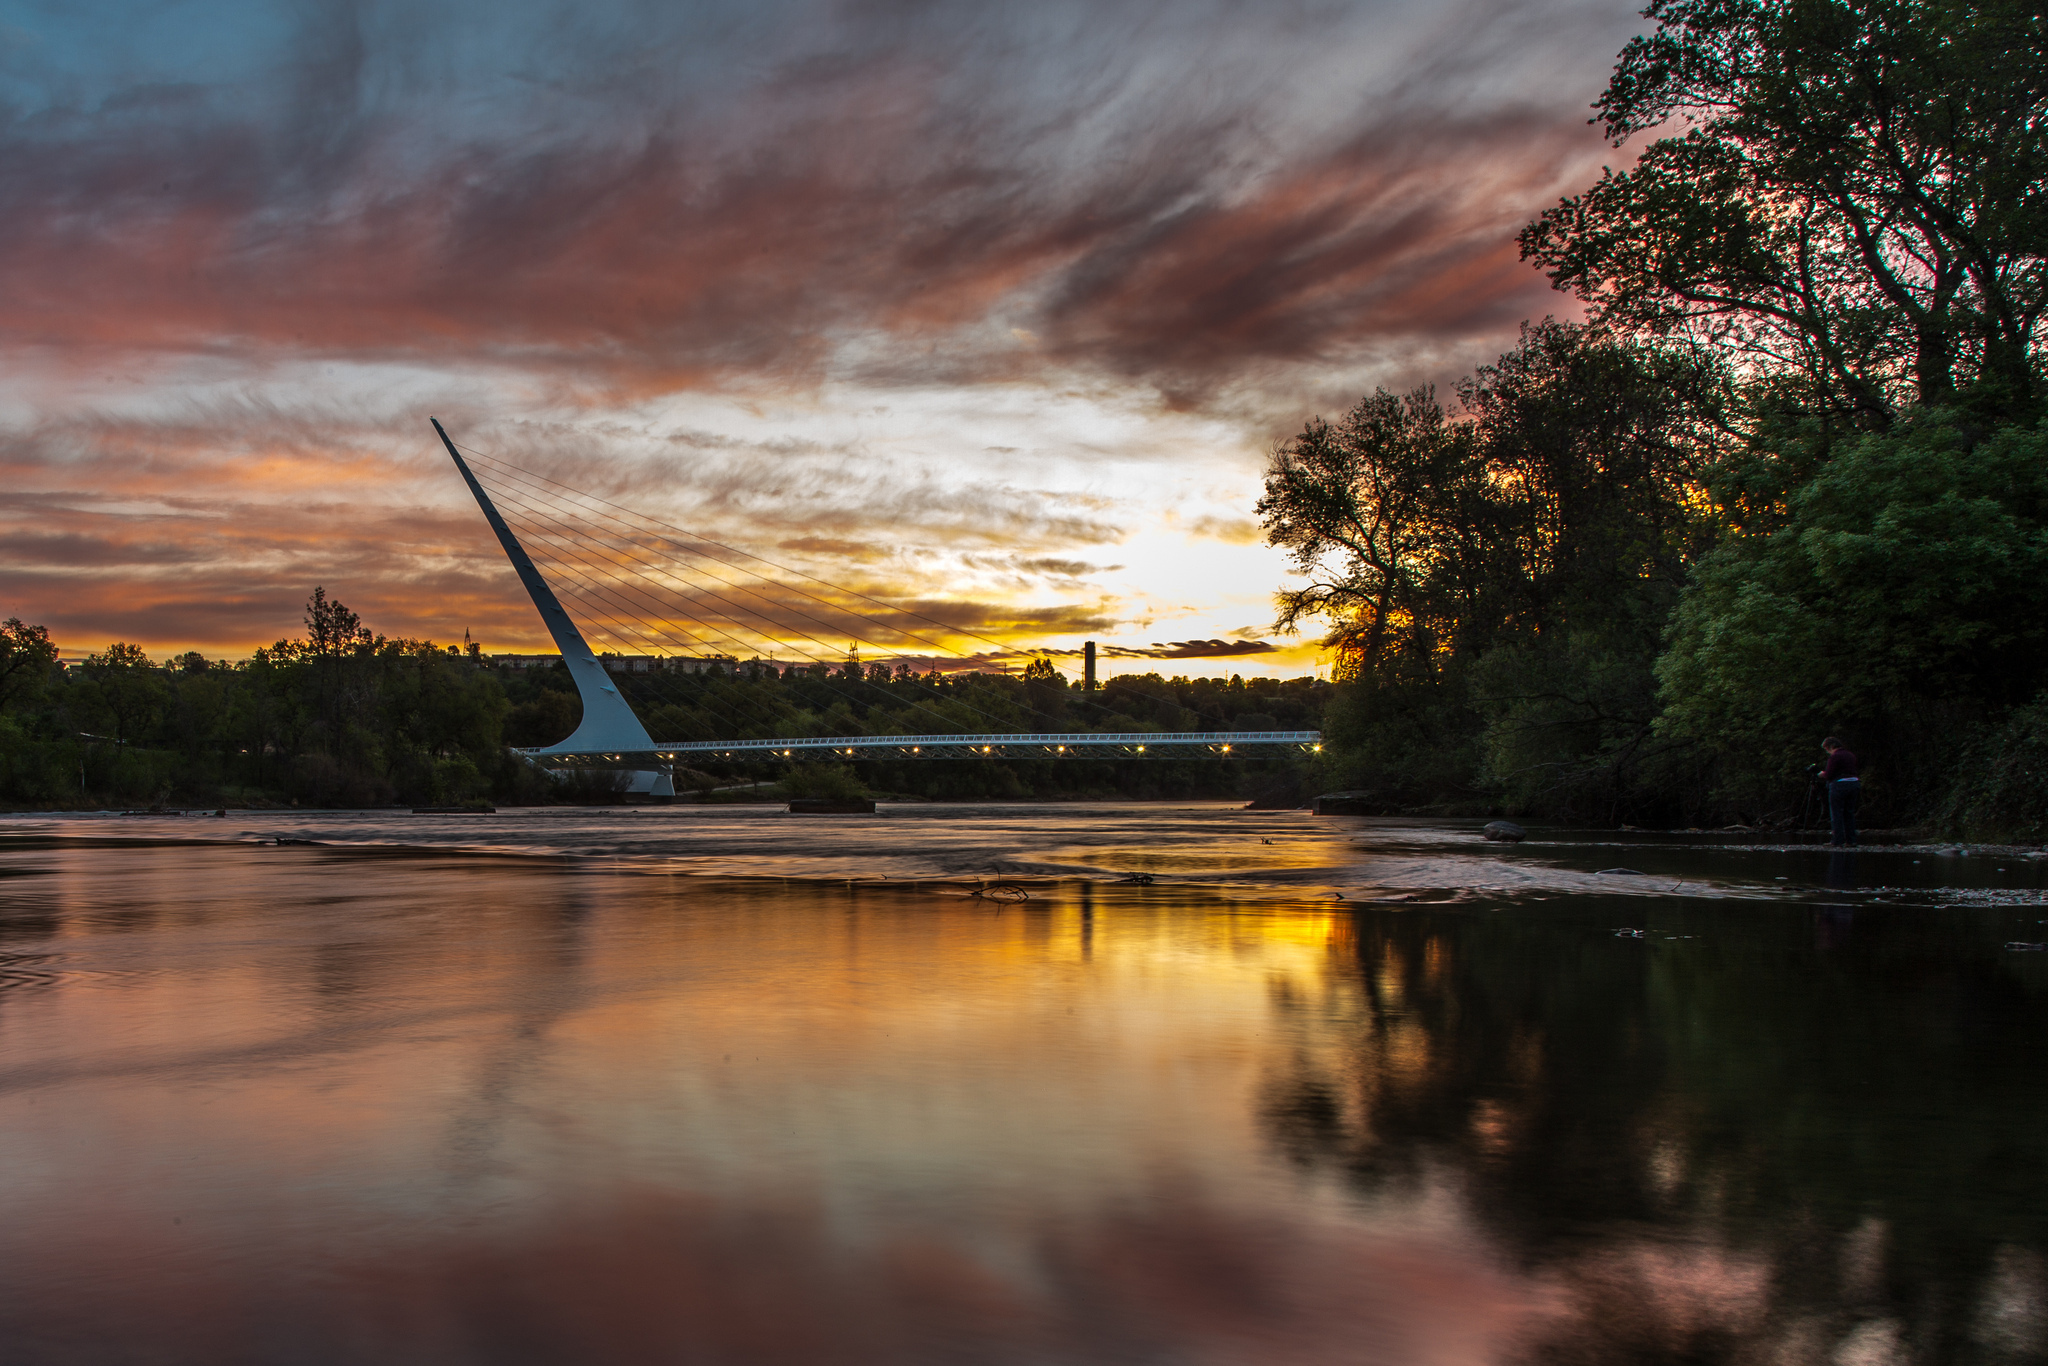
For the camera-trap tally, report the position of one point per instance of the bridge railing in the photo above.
(1037, 744)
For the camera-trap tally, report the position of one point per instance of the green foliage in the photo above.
(1567, 721)
(26, 658)
(2000, 791)
(1394, 494)
(343, 717)
(346, 717)
(1411, 742)
(1806, 391)
(552, 716)
(1898, 578)
(1853, 205)
(123, 693)
(38, 771)
(1496, 581)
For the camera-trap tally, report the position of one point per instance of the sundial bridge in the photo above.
(612, 736)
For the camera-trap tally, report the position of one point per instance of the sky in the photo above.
(996, 310)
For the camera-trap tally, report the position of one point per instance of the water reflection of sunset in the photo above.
(384, 1089)
(266, 1100)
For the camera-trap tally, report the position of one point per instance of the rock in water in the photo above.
(1507, 832)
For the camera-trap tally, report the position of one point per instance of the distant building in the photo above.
(701, 664)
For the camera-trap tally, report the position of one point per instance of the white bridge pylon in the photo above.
(612, 736)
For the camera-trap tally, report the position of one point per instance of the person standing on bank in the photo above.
(1845, 791)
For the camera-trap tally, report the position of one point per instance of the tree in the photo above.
(331, 629)
(26, 657)
(1498, 580)
(1907, 573)
(129, 691)
(338, 694)
(1376, 512)
(1570, 480)
(1045, 694)
(1595, 453)
(1858, 204)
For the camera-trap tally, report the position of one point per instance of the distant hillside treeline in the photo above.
(1789, 478)
(346, 717)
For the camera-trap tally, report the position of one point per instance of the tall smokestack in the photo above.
(1088, 667)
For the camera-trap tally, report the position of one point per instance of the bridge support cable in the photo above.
(607, 578)
(845, 614)
(566, 535)
(685, 542)
(588, 595)
(626, 627)
(682, 541)
(613, 581)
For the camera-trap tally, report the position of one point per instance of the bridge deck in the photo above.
(1040, 745)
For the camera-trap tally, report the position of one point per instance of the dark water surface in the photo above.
(729, 1086)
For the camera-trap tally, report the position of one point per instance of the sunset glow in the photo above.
(994, 312)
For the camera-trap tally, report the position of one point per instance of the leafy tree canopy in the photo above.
(1907, 571)
(1569, 479)
(26, 655)
(1856, 206)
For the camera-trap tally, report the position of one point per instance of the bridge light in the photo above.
(913, 749)
(1061, 748)
(1226, 749)
(1141, 749)
(1318, 749)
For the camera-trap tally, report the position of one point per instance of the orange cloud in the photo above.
(242, 288)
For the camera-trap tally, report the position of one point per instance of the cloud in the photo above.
(866, 189)
(104, 537)
(936, 302)
(1065, 569)
(1229, 530)
(1195, 649)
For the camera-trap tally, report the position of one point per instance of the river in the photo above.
(958, 1084)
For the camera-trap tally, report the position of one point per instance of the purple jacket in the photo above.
(1841, 764)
